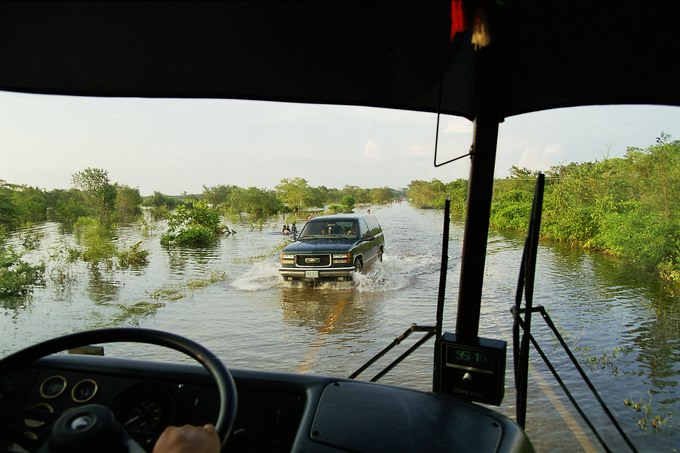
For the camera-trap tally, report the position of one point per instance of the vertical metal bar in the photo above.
(443, 269)
(480, 191)
(528, 270)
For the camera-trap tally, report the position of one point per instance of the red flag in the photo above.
(457, 18)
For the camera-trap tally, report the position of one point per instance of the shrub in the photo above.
(17, 277)
(193, 224)
(133, 256)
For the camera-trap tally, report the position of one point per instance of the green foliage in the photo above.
(158, 200)
(361, 196)
(297, 194)
(133, 256)
(348, 202)
(257, 203)
(96, 238)
(21, 204)
(427, 195)
(381, 195)
(160, 213)
(433, 194)
(68, 206)
(627, 207)
(511, 209)
(100, 194)
(193, 224)
(30, 204)
(337, 209)
(648, 417)
(128, 202)
(218, 195)
(17, 277)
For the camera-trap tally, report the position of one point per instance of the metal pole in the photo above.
(480, 191)
(443, 270)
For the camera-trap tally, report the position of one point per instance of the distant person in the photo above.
(293, 229)
(286, 230)
(369, 211)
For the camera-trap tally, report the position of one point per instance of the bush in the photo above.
(133, 256)
(96, 238)
(193, 224)
(17, 277)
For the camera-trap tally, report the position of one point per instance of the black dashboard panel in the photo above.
(277, 412)
(145, 398)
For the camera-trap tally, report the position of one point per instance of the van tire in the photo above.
(358, 265)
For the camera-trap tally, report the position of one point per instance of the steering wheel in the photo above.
(220, 374)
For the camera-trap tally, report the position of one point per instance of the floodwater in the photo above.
(623, 327)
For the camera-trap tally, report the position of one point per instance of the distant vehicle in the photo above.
(333, 248)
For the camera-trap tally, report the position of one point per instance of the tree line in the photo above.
(93, 194)
(626, 207)
(94, 205)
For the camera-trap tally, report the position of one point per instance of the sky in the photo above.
(181, 145)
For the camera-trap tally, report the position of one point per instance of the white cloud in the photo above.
(541, 159)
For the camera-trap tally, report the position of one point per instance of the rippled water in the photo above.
(623, 328)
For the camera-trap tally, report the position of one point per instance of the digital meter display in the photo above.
(473, 369)
(476, 359)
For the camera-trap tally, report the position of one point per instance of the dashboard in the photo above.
(145, 398)
(276, 412)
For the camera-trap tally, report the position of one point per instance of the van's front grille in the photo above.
(313, 260)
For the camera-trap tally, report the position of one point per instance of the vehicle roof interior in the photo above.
(544, 54)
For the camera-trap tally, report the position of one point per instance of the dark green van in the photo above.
(333, 248)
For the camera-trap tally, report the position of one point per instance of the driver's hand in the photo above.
(188, 439)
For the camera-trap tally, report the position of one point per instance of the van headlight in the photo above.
(342, 258)
(287, 258)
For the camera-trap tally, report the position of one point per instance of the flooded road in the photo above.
(623, 328)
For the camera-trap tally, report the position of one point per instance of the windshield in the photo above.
(319, 229)
(170, 214)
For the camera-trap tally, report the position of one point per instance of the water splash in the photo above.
(261, 275)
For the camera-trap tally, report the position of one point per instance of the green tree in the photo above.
(30, 204)
(424, 194)
(128, 202)
(217, 195)
(297, 194)
(69, 205)
(8, 212)
(100, 193)
(193, 223)
(348, 202)
(157, 199)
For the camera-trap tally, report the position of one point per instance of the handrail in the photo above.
(429, 330)
(544, 314)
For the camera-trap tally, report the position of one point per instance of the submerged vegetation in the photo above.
(17, 276)
(626, 207)
(193, 223)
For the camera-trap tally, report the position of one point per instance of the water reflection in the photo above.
(328, 311)
(251, 319)
(102, 287)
